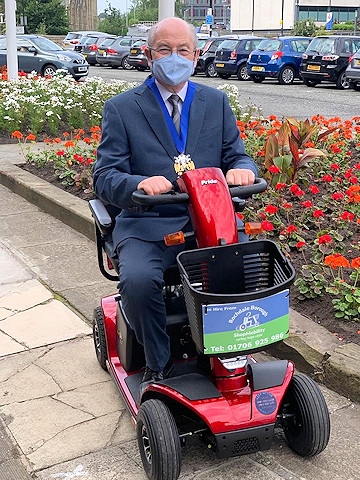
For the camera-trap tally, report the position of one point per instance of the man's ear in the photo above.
(148, 54)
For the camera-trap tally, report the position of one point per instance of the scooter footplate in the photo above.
(193, 386)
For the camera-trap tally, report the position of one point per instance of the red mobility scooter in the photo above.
(225, 300)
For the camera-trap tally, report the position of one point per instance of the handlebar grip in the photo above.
(260, 185)
(171, 198)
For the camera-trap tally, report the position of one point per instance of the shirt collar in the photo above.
(165, 94)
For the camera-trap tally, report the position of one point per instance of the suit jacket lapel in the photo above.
(196, 120)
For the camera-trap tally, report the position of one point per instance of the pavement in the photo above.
(60, 414)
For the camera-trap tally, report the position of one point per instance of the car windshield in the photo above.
(324, 46)
(45, 44)
(269, 45)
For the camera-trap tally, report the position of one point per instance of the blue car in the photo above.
(277, 58)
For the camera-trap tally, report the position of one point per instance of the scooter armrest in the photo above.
(101, 216)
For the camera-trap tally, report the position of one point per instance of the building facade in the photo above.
(269, 15)
(82, 14)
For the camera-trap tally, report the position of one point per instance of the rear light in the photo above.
(351, 57)
(111, 51)
(74, 42)
(253, 228)
(174, 239)
(330, 58)
(233, 55)
(93, 47)
(276, 55)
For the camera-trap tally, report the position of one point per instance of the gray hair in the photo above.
(152, 33)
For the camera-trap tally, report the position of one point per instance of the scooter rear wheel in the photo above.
(158, 441)
(99, 337)
(306, 421)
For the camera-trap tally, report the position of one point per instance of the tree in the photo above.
(114, 22)
(45, 16)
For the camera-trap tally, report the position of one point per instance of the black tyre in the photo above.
(49, 70)
(342, 82)
(125, 64)
(158, 441)
(242, 73)
(355, 86)
(306, 421)
(286, 76)
(310, 83)
(210, 70)
(99, 337)
(257, 78)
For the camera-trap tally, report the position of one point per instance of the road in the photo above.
(295, 100)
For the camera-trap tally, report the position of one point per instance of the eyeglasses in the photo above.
(166, 52)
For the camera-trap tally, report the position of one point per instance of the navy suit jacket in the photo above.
(136, 144)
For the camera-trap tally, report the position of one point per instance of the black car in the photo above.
(91, 45)
(326, 59)
(39, 54)
(232, 54)
(205, 63)
(137, 57)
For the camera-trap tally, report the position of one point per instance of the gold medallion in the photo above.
(183, 163)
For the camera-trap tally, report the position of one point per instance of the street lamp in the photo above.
(282, 17)
(252, 17)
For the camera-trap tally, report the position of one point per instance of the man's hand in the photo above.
(155, 185)
(240, 176)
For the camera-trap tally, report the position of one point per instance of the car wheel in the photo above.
(342, 82)
(305, 417)
(257, 78)
(286, 76)
(125, 64)
(158, 441)
(49, 70)
(210, 70)
(355, 86)
(99, 337)
(242, 73)
(310, 83)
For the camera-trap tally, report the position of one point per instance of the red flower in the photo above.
(318, 213)
(291, 229)
(327, 178)
(271, 209)
(274, 169)
(31, 137)
(296, 190)
(314, 189)
(355, 263)
(267, 226)
(280, 186)
(335, 167)
(300, 245)
(337, 196)
(60, 153)
(287, 205)
(307, 204)
(336, 260)
(17, 134)
(323, 239)
(347, 216)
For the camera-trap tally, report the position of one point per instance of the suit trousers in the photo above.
(141, 272)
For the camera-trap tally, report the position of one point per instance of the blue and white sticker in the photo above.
(266, 403)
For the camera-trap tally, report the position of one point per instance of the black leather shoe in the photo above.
(152, 376)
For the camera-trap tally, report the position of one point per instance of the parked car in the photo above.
(326, 59)
(205, 63)
(39, 54)
(352, 71)
(137, 57)
(91, 46)
(72, 38)
(116, 55)
(232, 54)
(277, 58)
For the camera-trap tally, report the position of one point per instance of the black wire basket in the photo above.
(241, 272)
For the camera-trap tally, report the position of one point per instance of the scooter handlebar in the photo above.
(173, 197)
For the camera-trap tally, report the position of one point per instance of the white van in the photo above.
(72, 38)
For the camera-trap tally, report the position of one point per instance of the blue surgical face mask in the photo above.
(173, 69)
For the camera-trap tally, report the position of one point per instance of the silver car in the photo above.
(116, 54)
(41, 55)
(352, 71)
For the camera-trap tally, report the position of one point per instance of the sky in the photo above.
(118, 4)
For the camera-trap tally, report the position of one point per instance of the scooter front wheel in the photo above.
(99, 337)
(158, 441)
(305, 417)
